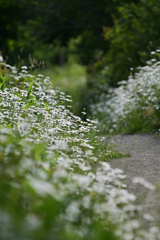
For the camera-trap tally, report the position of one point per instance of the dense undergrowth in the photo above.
(55, 179)
(134, 105)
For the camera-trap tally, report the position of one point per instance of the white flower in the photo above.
(1, 58)
(143, 182)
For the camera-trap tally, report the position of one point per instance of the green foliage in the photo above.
(108, 37)
(29, 89)
(134, 35)
(55, 23)
(71, 78)
(134, 105)
(32, 198)
(55, 181)
(2, 82)
(130, 40)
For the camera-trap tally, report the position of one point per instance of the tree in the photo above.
(57, 20)
(14, 15)
(134, 35)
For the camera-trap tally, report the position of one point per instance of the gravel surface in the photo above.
(144, 162)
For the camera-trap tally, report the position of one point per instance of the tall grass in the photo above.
(55, 182)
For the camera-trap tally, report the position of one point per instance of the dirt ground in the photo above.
(144, 162)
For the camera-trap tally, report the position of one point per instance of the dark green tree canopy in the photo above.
(25, 22)
(132, 38)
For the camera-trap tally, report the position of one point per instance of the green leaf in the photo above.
(2, 80)
(29, 89)
(30, 103)
(9, 125)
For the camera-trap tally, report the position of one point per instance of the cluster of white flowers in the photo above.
(137, 98)
(38, 114)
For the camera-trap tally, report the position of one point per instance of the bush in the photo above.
(134, 105)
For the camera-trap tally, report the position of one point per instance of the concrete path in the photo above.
(144, 162)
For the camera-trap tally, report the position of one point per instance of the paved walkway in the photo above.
(144, 162)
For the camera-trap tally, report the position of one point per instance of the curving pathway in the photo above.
(144, 162)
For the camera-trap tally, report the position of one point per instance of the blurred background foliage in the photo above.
(100, 41)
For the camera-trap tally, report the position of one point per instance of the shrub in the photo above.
(134, 105)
